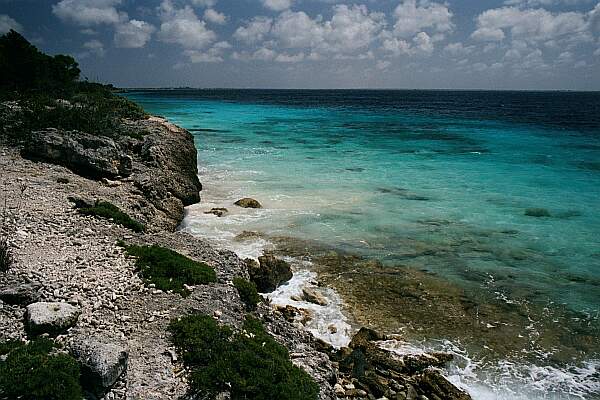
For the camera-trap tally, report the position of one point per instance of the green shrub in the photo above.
(6, 258)
(34, 371)
(108, 210)
(247, 291)
(249, 364)
(169, 270)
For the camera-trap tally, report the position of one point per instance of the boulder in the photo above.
(101, 364)
(52, 318)
(433, 382)
(20, 294)
(88, 155)
(219, 212)
(247, 202)
(312, 296)
(82, 202)
(268, 273)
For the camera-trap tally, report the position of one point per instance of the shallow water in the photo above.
(437, 181)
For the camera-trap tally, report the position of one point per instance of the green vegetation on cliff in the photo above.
(104, 209)
(249, 363)
(169, 270)
(247, 291)
(36, 371)
(50, 94)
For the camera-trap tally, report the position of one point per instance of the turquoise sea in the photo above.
(495, 191)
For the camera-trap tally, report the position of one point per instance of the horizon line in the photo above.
(354, 89)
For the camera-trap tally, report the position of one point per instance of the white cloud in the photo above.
(94, 47)
(351, 28)
(254, 31)
(204, 3)
(133, 34)
(396, 46)
(414, 16)
(297, 30)
(458, 49)
(277, 5)
(7, 23)
(212, 55)
(527, 24)
(88, 12)
(383, 65)
(289, 58)
(182, 26)
(423, 42)
(214, 16)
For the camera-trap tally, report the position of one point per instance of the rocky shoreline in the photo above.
(63, 257)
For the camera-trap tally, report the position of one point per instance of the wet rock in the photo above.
(248, 202)
(247, 235)
(102, 364)
(52, 318)
(537, 212)
(312, 296)
(87, 155)
(432, 381)
(219, 212)
(20, 294)
(268, 273)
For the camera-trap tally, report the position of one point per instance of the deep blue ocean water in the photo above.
(437, 180)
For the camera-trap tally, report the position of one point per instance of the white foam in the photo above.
(323, 317)
(506, 380)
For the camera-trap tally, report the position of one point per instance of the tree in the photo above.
(24, 68)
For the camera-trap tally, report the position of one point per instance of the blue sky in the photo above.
(506, 44)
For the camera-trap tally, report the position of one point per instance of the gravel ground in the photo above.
(73, 258)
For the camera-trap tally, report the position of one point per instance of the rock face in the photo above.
(102, 364)
(247, 202)
(169, 152)
(85, 154)
(268, 273)
(154, 160)
(52, 318)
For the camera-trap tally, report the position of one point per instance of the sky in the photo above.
(412, 44)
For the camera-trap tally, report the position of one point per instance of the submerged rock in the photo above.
(268, 273)
(537, 212)
(102, 364)
(52, 318)
(247, 202)
(219, 212)
(87, 155)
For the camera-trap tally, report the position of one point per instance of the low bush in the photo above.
(104, 209)
(6, 258)
(248, 364)
(169, 270)
(247, 291)
(35, 371)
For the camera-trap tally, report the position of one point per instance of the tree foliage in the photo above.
(23, 68)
